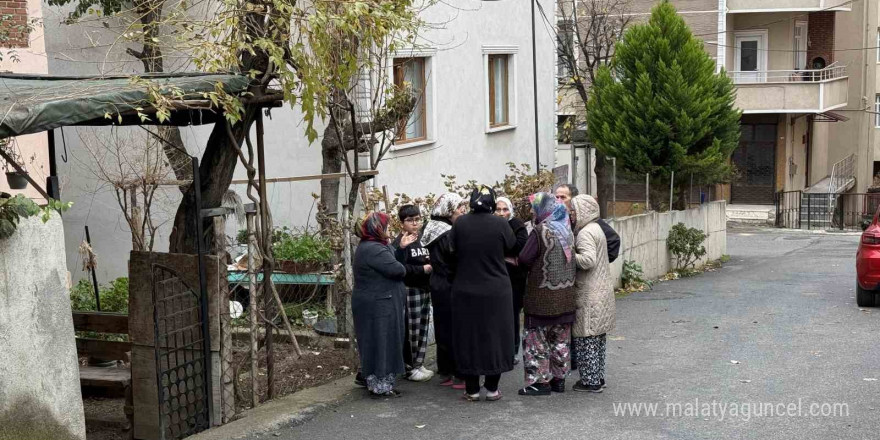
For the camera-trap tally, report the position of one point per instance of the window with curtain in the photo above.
(410, 72)
(498, 90)
(877, 110)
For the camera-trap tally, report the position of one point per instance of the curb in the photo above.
(290, 410)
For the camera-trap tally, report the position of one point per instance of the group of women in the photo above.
(482, 267)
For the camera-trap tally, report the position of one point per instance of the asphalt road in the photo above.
(776, 329)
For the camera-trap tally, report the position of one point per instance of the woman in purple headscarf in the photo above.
(550, 302)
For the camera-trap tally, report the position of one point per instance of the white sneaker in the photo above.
(427, 371)
(420, 375)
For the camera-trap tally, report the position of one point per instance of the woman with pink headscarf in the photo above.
(377, 307)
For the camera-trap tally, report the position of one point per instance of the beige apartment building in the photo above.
(808, 86)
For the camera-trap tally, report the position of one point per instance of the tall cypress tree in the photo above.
(660, 107)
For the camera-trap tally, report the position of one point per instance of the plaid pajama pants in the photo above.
(418, 307)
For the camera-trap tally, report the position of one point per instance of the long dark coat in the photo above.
(482, 299)
(441, 300)
(377, 307)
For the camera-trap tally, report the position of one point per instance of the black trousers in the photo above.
(472, 383)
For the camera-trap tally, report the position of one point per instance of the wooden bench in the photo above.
(113, 379)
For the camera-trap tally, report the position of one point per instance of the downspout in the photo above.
(865, 133)
(721, 58)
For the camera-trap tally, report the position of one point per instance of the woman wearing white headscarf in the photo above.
(518, 275)
(436, 239)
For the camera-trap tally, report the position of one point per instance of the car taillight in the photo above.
(871, 239)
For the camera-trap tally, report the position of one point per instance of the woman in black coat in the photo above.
(518, 275)
(482, 299)
(436, 238)
(377, 307)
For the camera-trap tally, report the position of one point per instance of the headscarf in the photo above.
(554, 215)
(586, 210)
(440, 217)
(483, 200)
(373, 228)
(509, 205)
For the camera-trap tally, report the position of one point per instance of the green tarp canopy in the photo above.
(37, 103)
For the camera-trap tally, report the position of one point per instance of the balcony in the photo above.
(791, 91)
(746, 6)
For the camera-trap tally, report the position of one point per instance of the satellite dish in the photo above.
(235, 309)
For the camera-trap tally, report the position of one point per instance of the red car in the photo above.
(868, 264)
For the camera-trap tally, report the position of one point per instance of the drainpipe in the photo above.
(721, 58)
(865, 131)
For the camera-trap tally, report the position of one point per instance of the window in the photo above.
(800, 45)
(499, 113)
(565, 51)
(877, 110)
(410, 72)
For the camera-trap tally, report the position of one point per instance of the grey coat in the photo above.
(377, 306)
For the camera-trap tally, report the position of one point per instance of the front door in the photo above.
(755, 161)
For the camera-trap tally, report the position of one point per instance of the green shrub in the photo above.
(114, 297)
(686, 244)
(632, 277)
(304, 247)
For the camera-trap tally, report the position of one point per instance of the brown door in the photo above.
(755, 161)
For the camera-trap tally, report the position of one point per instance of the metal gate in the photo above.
(182, 355)
(755, 159)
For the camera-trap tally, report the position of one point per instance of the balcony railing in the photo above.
(788, 76)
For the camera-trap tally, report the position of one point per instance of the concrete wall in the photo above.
(39, 376)
(643, 237)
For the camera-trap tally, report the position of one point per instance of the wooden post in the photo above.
(267, 259)
(252, 309)
(385, 195)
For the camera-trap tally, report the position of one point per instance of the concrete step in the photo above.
(751, 214)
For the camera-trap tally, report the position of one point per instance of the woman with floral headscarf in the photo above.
(550, 302)
(481, 296)
(377, 307)
(436, 238)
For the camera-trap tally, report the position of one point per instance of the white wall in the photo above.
(643, 237)
(39, 375)
(459, 33)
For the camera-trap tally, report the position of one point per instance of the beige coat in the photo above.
(595, 290)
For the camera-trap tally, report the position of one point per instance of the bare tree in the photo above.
(586, 35)
(135, 170)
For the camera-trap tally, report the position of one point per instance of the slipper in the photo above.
(447, 383)
(495, 398)
(458, 386)
(470, 398)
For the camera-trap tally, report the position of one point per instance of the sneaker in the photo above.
(557, 385)
(359, 380)
(419, 375)
(537, 389)
(602, 383)
(427, 371)
(580, 386)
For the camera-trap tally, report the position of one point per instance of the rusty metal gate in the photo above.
(182, 355)
(755, 159)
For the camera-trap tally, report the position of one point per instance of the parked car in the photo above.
(868, 263)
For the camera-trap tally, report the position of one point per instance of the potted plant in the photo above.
(14, 178)
(300, 252)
